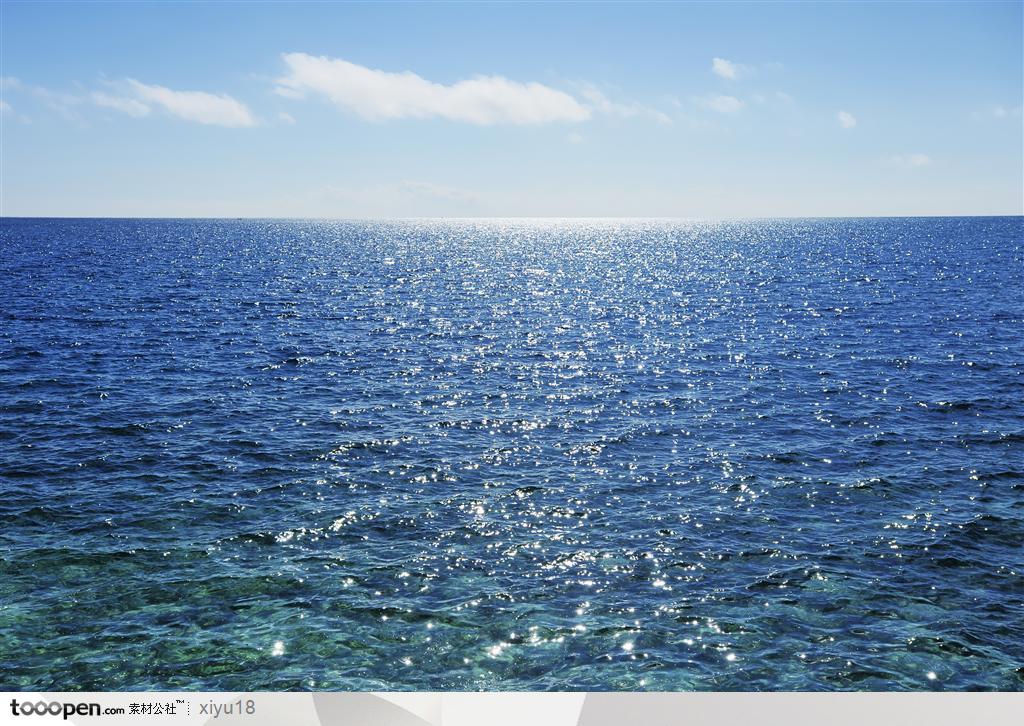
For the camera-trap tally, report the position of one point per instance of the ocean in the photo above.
(508, 455)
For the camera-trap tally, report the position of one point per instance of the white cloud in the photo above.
(910, 160)
(721, 104)
(205, 108)
(783, 96)
(575, 138)
(285, 117)
(10, 83)
(728, 69)
(123, 104)
(5, 107)
(602, 104)
(379, 95)
(846, 119)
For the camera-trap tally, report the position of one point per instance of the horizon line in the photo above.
(520, 217)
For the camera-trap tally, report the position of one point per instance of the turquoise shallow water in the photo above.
(512, 455)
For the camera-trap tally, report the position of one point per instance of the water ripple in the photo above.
(245, 455)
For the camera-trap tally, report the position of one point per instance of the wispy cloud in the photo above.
(5, 107)
(407, 198)
(59, 102)
(846, 119)
(138, 99)
(62, 103)
(600, 103)
(728, 69)
(910, 161)
(997, 112)
(199, 106)
(429, 190)
(405, 188)
(720, 104)
(378, 95)
(575, 138)
(123, 104)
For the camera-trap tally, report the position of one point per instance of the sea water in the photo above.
(500, 454)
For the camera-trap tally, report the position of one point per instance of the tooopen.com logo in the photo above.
(56, 708)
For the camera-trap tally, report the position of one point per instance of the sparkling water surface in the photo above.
(257, 454)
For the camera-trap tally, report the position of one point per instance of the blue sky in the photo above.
(392, 110)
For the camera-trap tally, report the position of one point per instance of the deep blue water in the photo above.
(512, 455)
